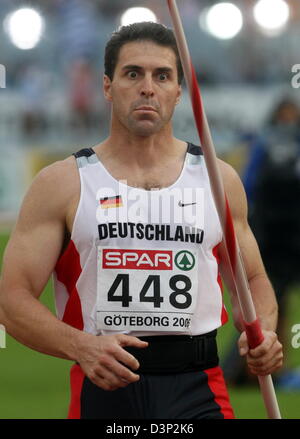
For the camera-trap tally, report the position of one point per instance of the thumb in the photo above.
(243, 344)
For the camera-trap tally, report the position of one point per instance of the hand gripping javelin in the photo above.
(230, 244)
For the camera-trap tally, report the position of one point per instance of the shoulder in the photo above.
(229, 174)
(234, 189)
(63, 170)
(55, 186)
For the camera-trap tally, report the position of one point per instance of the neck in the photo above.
(144, 151)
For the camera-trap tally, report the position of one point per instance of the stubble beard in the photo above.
(144, 128)
(147, 126)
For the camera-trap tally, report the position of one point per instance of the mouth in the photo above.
(146, 109)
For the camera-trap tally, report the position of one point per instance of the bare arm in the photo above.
(29, 260)
(260, 286)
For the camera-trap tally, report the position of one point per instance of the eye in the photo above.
(132, 75)
(163, 76)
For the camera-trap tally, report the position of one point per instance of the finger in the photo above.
(124, 373)
(111, 363)
(264, 347)
(128, 340)
(107, 380)
(269, 367)
(265, 371)
(270, 355)
(243, 351)
(243, 344)
(127, 359)
(260, 361)
(121, 355)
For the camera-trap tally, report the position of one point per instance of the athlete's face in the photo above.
(144, 89)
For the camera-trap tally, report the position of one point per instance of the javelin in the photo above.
(232, 251)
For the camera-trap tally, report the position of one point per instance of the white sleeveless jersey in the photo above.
(142, 262)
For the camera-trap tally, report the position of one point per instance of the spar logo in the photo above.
(185, 260)
(147, 259)
(137, 259)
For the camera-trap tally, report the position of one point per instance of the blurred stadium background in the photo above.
(247, 58)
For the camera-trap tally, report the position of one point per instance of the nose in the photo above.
(147, 87)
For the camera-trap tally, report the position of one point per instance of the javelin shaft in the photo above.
(216, 181)
(232, 252)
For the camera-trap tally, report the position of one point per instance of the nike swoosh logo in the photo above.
(181, 204)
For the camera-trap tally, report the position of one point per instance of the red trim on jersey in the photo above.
(224, 314)
(68, 270)
(217, 385)
(76, 379)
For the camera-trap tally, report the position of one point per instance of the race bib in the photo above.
(146, 290)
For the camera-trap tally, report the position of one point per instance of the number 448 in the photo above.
(152, 284)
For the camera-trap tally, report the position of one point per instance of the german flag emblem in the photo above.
(108, 202)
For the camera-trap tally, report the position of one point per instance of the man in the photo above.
(138, 294)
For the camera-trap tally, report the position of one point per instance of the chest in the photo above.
(148, 178)
(119, 212)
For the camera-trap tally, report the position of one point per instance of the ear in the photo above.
(107, 88)
(178, 95)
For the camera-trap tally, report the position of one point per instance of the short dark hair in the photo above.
(145, 31)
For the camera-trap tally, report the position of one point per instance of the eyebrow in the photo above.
(158, 69)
